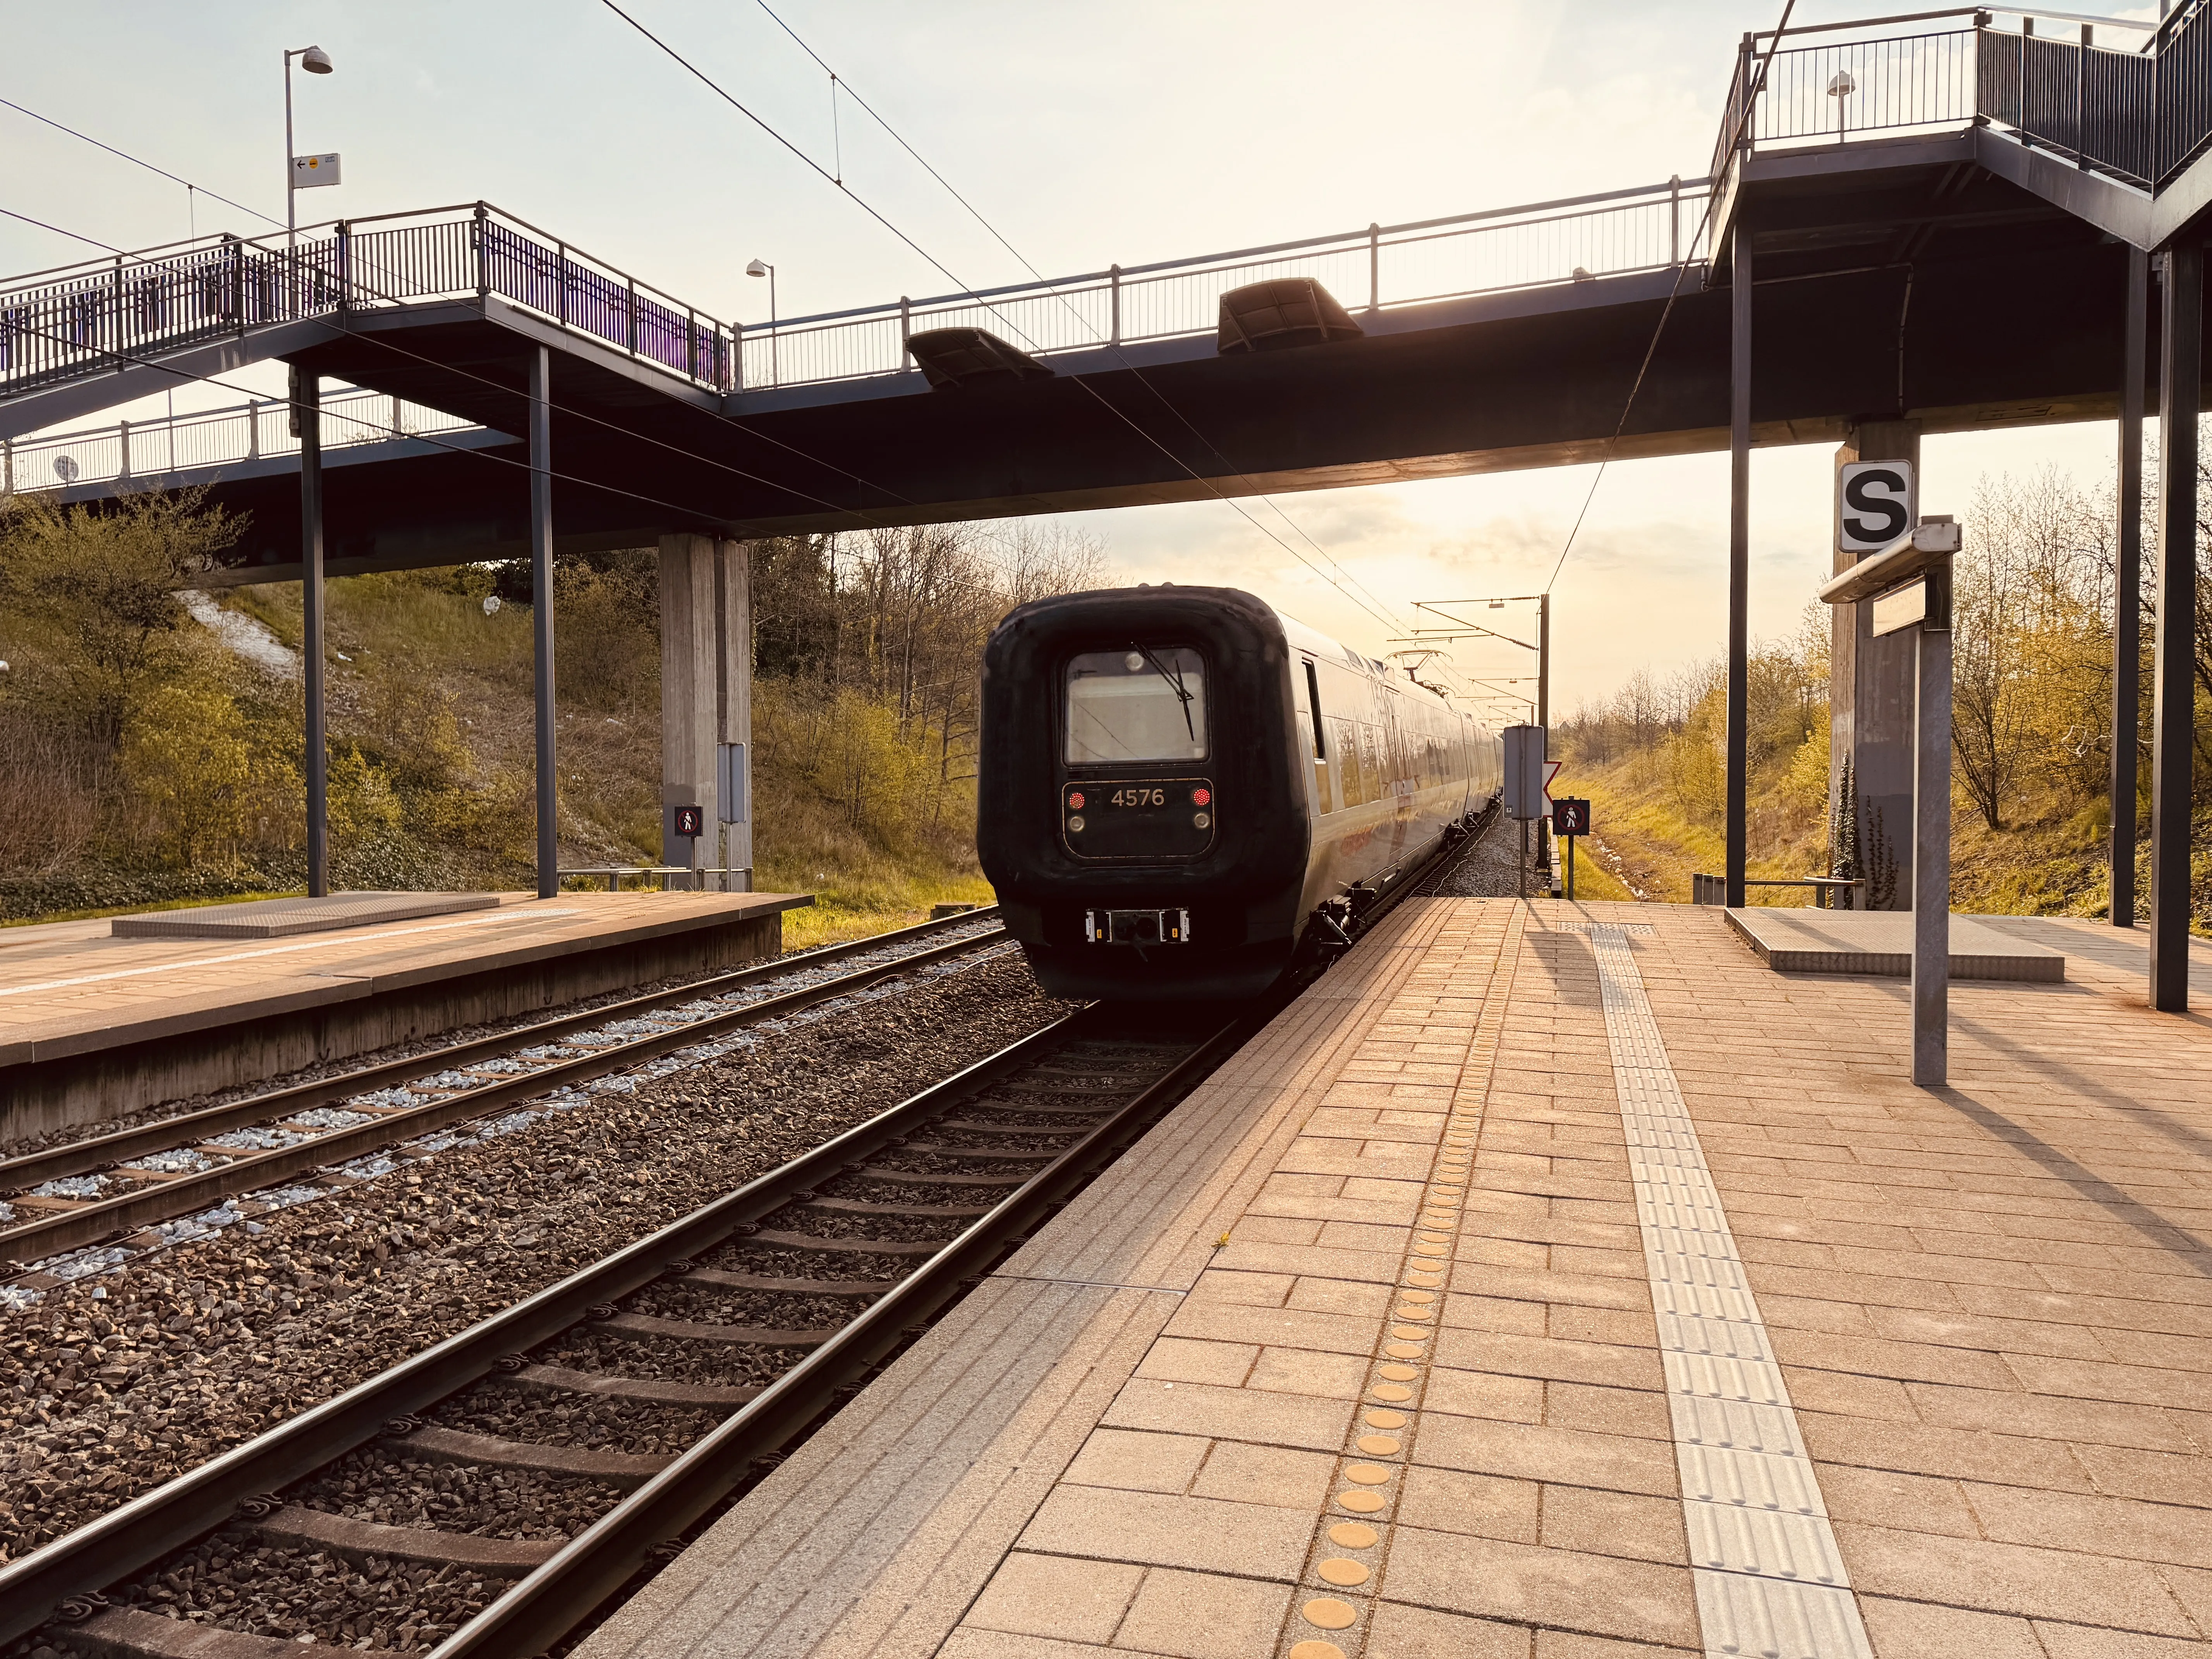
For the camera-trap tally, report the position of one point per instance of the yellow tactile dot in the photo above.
(1340, 1571)
(1420, 1277)
(1368, 1474)
(1378, 1445)
(1381, 1420)
(1350, 1535)
(1398, 1373)
(1439, 1240)
(1316, 1650)
(1417, 1296)
(1408, 1333)
(1328, 1614)
(1402, 1350)
(1415, 1313)
(1359, 1502)
(1395, 1393)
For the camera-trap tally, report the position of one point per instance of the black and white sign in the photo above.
(309, 171)
(1571, 817)
(690, 822)
(1874, 504)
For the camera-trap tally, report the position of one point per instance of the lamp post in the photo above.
(315, 61)
(761, 268)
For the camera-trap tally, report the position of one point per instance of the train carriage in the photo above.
(1181, 787)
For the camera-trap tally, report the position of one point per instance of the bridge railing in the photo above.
(92, 317)
(1381, 268)
(2127, 101)
(133, 450)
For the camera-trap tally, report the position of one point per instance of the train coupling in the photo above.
(1137, 926)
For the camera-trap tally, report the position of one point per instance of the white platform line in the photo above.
(1770, 1580)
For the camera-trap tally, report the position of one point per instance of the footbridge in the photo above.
(1929, 224)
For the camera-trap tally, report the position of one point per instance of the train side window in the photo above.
(1371, 762)
(1313, 701)
(1347, 761)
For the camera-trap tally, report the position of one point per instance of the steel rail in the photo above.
(72, 1228)
(137, 1533)
(546, 1605)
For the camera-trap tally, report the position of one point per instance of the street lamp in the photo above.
(761, 268)
(315, 61)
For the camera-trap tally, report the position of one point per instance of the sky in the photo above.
(1086, 134)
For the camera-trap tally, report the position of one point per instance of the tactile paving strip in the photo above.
(1770, 1580)
(1349, 1556)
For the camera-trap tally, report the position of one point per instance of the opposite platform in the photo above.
(1588, 1291)
(94, 1026)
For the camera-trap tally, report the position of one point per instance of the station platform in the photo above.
(94, 1026)
(1559, 1282)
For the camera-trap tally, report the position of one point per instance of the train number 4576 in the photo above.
(1138, 797)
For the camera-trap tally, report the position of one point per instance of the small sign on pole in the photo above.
(1875, 503)
(309, 171)
(1571, 817)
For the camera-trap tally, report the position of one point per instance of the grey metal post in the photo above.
(1374, 267)
(2127, 597)
(541, 587)
(1544, 700)
(1739, 616)
(306, 408)
(1931, 861)
(2173, 705)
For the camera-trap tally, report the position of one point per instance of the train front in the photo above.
(1141, 808)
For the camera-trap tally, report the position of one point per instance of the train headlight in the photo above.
(1076, 823)
(1075, 799)
(1201, 797)
(1202, 820)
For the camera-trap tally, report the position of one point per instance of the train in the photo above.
(1184, 793)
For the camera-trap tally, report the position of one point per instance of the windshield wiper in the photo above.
(1174, 684)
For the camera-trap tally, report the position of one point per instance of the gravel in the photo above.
(118, 1381)
(622, 1425)
(236, 1581)
(664, 1359)
(1492, 869)
(378, 1483)
(894, 1228)
(850, 1265)
(768, 1309)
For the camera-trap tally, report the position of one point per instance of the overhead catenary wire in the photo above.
(199, 190)
(1704, 224)
(1112, 345)
(749, 430)
(950, 276)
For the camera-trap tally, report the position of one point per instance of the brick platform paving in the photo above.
(1991, 1306)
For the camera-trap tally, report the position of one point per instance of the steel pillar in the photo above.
(1739, 616)
(307, 415)
(1931, 860)
(734, 636)
(2127, 597)
(541, 619)
(2174, 692)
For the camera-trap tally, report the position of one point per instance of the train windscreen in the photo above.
(1144, 703)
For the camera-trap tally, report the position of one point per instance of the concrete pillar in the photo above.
(541, 620)
(1871, 684)
(2127, 597)
(308, 416)
(734, 646)
(690, 696)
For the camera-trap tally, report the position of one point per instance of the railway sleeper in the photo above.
(625, 1469)
(133, 1633)
(693, 1330)
(559, 1379)
(357, 1541)
(859, 1206)
(940, 1178)
(774, 1239)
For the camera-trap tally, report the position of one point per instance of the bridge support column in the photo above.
(541, 619)
(1871, 689)
(307, 416)
(2127, 603)
(706, 701)
(1739, 614)
(2174, 691)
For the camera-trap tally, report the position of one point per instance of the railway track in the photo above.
(123, 1187)
(736, 1328)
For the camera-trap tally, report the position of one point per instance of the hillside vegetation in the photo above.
(2031, 734)
(150, 747)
